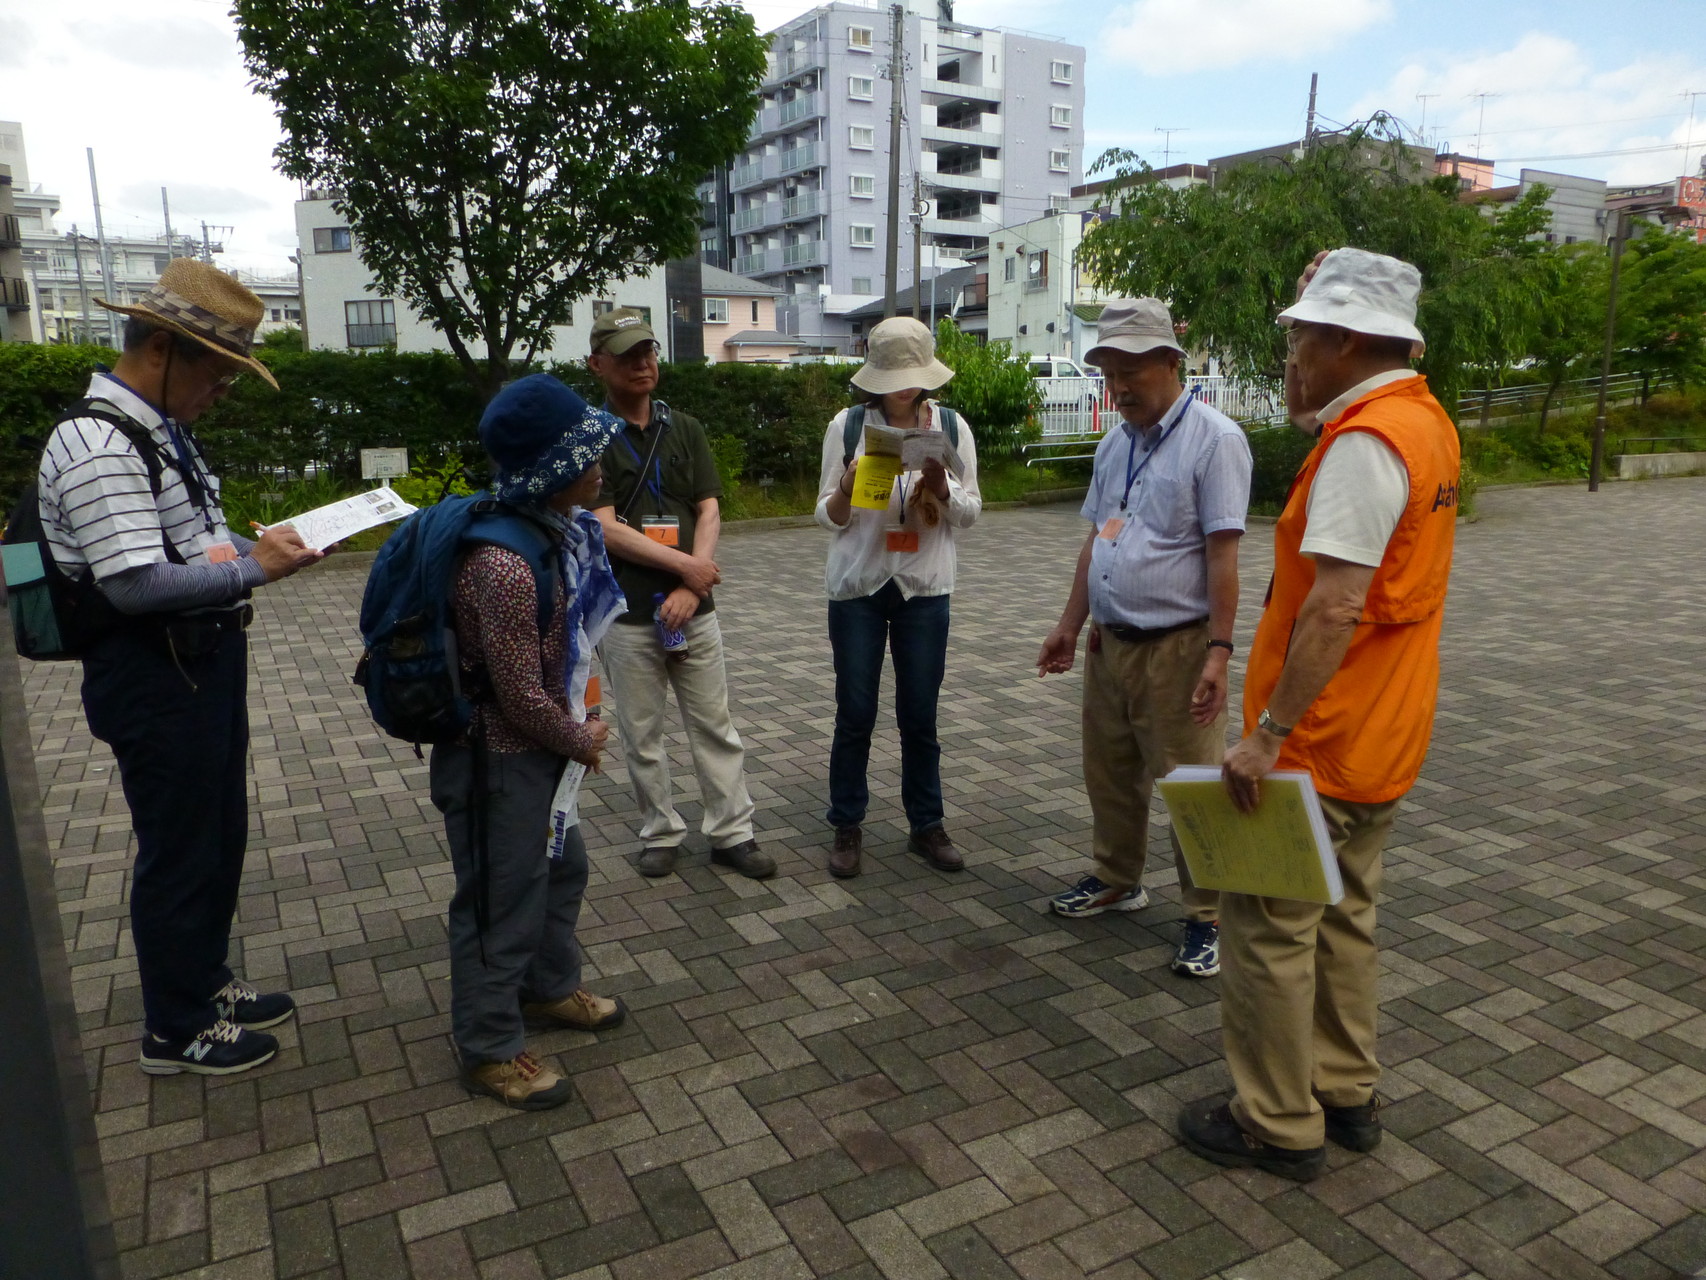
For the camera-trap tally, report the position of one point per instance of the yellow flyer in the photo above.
(1282, 850)
(874, 480)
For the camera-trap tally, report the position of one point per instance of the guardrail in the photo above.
(1491, 405)
(1080, 407)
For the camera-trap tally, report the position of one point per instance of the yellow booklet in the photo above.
(1280, 851)
(874, 479)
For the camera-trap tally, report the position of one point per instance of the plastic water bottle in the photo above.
(673, 639)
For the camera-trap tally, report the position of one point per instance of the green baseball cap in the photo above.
(621, 330)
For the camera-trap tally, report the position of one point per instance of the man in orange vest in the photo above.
(1342, 682)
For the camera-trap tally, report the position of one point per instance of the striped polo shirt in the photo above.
(96, 506)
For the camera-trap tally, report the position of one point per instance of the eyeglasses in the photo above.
(1293, 336)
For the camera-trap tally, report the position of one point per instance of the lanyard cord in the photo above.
(1133, 472)
(655, 484)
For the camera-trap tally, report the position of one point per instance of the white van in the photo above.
(1056, 367)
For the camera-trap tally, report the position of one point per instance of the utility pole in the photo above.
(1309, 121)
(41, 308)
(106, 258)
(1597, 462)
(206, 246)
(82, 285)
(1167, 141)
(897, 72)
(917, 247)
(166, 209)
(1693, 95)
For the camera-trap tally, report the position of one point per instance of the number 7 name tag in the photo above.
(1111, 528)
(664, 529)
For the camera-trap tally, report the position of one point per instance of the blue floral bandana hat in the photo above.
(543, 437)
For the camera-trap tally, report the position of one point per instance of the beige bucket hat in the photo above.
(901, 355)
(1365, 293)
(1135, 326)
(199, 301)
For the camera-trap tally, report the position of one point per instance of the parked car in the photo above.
(1056, 367)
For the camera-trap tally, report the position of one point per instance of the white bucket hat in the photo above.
(1363, 292)
(900, 355)
(1135, 326)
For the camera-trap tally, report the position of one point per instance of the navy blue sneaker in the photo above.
(1198, 955)
(1091, 897)
(238, 1002)
(223, 1049)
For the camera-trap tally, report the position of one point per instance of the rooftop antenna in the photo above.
(1692, 95)
(1167, 144)
(1309, 121)
(1482, 118)
(1422, 133)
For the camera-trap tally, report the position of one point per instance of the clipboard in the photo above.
(1282, 850)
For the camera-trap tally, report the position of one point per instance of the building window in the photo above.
(1060, 117)
(331, 240)
(862, 235)
(755, 311)
(862, 87)
(1058, 201)
(716, 310)
(862, 285)
(370, 324)
(861, 186)
(1060, 161)
(859, 39)
(1010, 269)
(602, 306)
(1060, 72)
(862, 137)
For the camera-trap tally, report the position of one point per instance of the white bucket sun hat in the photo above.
(901, 355)
(1365, 293)
(1135, 326)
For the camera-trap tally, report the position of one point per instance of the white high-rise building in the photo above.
(993, 135)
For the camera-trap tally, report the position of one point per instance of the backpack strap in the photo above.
(498, 525)
(154, 459)
(852, 428)
(950, 425)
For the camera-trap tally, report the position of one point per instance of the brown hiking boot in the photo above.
(844, 855)
(935, 848)
(523, 1083)
(581, 1010)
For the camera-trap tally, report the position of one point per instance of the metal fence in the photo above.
(1076, 407)
(1490, 406)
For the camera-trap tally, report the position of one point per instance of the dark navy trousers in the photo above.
(180, 732)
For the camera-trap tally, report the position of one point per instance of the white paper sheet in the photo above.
(323, 526)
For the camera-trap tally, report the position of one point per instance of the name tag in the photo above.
(1111, 528)
(220, 552)
(594, 696)
(903, 540)
(664, 529)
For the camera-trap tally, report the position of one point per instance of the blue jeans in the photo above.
(916, 633)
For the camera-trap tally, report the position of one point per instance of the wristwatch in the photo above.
(1266, 721)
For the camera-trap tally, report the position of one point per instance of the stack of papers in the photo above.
(890, 451)
(1282, 850)
(334, 522)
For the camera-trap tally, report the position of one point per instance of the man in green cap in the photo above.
(659, 508)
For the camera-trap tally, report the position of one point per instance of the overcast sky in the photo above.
(1580, 86)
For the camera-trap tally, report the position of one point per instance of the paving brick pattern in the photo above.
(910, 1075)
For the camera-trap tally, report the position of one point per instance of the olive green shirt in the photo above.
(682, 475)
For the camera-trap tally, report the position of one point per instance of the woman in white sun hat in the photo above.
(890, 576)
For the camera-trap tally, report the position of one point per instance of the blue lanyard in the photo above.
(655, 484)
(1132, 472)
(188, 466)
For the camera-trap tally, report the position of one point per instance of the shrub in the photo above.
(994, 391)
(1276, 453)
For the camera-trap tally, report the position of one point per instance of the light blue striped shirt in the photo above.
(1186, 482)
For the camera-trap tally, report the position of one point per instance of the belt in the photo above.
(1143, 635)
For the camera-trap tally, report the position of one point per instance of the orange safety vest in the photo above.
(1364, 738)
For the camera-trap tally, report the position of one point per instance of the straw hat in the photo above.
(543, 437)
(1363, 292)
(201, 302)
(900, 355)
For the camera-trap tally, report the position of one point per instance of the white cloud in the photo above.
(1551, 107)
(1175, 37)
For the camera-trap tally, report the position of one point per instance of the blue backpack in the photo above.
(409, 665)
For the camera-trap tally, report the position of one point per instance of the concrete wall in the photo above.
(1577, 205)
(1646, 466)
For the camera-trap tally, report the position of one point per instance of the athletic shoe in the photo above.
(223, 1049)
(238, 1002)
(580, 1010)
(523, 1083)
(1198, 955)
(1208, 1129)
(1091, 897)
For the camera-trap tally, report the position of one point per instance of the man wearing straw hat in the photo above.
(1342, 681)
(128, 502)
(1157, 578)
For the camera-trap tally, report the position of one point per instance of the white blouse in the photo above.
(859, 559)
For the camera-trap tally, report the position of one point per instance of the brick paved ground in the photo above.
(914, 1076)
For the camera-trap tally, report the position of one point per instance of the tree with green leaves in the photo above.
(1226, 258)
(500, 159)
(1661, 308)
(1572, 318)
(992, 388)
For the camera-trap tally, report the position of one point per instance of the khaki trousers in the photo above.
(1298, 991)
(1137, 728)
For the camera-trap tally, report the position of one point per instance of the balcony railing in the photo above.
(807, 104)
(806, 206)
(796, 158)
(753, 264)
(755, 216)
(807, 253)
(791, 62)
(10, 235)
(747, 173)
(14, 294)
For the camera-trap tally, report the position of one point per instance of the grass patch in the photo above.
(1521, 453)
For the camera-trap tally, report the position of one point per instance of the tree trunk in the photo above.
(1546, 406)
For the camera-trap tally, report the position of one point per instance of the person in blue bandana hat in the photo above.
(513, 953)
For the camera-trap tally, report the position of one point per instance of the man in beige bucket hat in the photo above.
(1157, 578)
(132, 514)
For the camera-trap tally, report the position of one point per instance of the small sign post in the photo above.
(384, 464)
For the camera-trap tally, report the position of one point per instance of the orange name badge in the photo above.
(220, 552)
(903, 540)
(1111, 528)
(664, 529)
(594, 694)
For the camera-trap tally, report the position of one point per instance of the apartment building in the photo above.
(993, 134)
(16, 306)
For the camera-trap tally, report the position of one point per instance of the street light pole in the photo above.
(1597, 463)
